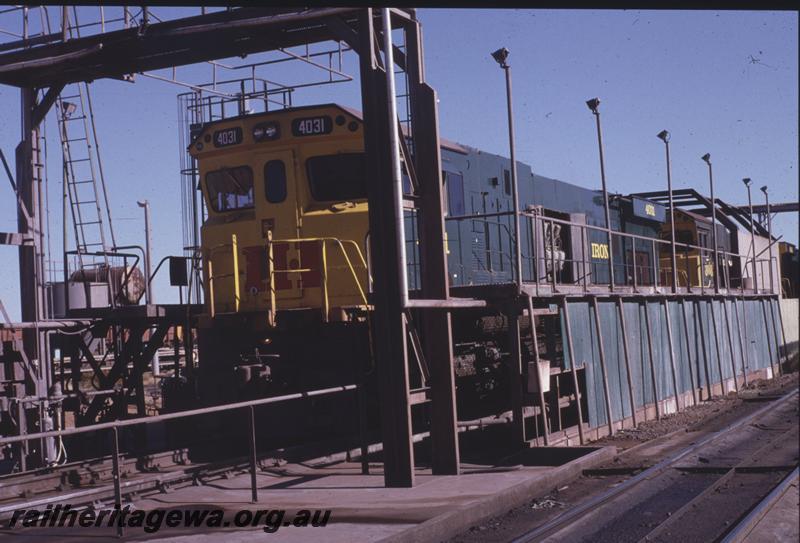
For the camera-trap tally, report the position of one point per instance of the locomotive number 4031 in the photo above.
(312, 126)
(228, 136)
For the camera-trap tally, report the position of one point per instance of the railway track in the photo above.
(701, 493)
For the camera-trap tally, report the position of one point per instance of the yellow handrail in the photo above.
(210, 279)
(323, 271)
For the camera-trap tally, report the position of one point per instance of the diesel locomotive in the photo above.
(285, 249)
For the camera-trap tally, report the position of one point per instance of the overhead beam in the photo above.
(172, 43)
(785, 207)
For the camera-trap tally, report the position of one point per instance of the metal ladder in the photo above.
(83, 170)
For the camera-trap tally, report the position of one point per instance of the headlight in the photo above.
(266, 131)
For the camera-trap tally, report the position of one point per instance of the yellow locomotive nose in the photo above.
(287, 213)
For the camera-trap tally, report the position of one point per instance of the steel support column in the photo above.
(716, 345)
(514, 367)
(649, 333)
(689, 352)
(388, 327)
(437, 336)
(28, 165)
(730, 341)
(621, 309)
(674, 372)
(699, 323)
(606, 392)
(574, 368)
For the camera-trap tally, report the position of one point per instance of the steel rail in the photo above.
(578, 511)
(750, 521)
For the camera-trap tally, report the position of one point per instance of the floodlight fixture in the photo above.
(663, 136)
(501, 55)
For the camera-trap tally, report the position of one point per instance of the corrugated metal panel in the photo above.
(696, 359)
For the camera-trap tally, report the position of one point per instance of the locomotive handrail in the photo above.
(703, 251)
(235, 274)
(656, 246)
(324, 270)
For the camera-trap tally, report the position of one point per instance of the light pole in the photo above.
(148, 296)
(747, 183)
(664, 136)
(593, 105)
(707, 159)
(769, 240)
(500, 56)
(147, 263)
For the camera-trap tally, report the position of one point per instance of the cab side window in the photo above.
(230, 188)
(275, 181)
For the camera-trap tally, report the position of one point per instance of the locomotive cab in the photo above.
(287, 212)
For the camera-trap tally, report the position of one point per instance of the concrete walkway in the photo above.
(436, 508)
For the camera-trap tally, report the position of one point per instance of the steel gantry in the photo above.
(58, 61)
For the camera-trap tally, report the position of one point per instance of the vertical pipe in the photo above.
(574, 368)
(707, 159)
(587, 265)
(64, 23)
(539, 384)
(324, 272)
(752, 233)
(235, 256)
(253, 456)
(769, 239)
(716, 344)
(609, 414)
(553, 253)
(514, 188)
(515, 376)
(621, 309)
(742, 343)
(210, 282)
(394, 140)
(689, 351)
(148, 257)
(271, 269)
(672, 356)
(730, 341)
(652, 360)
(766, 331)
(116, 476)
(655, 265)
(593, 106)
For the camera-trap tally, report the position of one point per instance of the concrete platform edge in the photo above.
(452, 523)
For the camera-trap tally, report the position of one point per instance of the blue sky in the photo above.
(721, 82)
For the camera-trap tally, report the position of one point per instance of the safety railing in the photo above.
(695, 264)
(114, 427)
(102, 272)
(234, 275)
(636, 261)
(324, 269)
